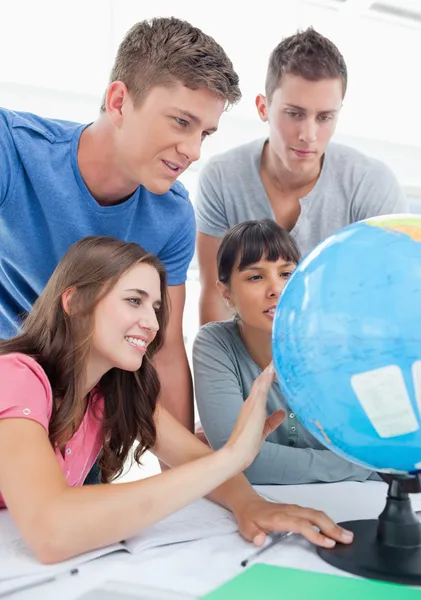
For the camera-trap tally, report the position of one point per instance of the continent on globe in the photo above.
(401, 224)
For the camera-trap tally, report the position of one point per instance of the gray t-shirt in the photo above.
(351, 187)
(224, 373)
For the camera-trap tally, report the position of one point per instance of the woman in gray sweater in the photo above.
(255, 260)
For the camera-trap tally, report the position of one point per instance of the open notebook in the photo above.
(199, 520)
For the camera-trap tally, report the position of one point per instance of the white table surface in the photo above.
(195, 568)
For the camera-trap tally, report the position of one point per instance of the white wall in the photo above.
(404, 159)
(56, 58)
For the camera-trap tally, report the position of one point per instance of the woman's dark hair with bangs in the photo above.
(249, 242)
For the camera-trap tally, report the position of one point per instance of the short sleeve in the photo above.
(8, 159)
(378, 193)
(179, 249)
(210, 208)
(218, 389)
(25, 391)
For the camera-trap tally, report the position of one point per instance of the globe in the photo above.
(346, 343)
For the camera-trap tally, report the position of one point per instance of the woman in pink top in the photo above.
(79, 381)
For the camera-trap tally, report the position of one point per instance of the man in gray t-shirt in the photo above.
(309, 185)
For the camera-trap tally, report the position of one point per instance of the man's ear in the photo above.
(225, 293)
(116, 97)
(262, 107)
(66, 298)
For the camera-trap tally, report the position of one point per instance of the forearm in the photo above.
(176, 385)
(90, 517)
(277, 464)
(234, 493)
(231, 494)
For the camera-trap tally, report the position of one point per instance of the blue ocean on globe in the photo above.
(346, 343)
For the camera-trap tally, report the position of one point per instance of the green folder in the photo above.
(266, 582)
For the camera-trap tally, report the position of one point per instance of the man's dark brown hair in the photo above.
(307, 54)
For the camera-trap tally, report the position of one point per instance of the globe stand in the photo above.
(387, 548)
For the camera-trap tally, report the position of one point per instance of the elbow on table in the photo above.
(49, 541)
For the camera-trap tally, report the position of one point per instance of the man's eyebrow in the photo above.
(193, 118)
(296, 107)
(320, 112)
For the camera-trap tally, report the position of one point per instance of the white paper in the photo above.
(120, 590)
(200, 520)
(17, 560)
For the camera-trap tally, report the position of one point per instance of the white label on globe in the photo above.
(383, 395)
(416, 377)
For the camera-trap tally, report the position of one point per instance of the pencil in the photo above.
(276, 538)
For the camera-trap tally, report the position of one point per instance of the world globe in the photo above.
(346, 343)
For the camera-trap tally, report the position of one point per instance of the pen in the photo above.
(32, 584)
(276, 538)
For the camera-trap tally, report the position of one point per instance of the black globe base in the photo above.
(387, 548)
(367, 557)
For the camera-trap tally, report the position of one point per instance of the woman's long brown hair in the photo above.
(60, 342)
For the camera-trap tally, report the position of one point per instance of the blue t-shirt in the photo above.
(45, 207)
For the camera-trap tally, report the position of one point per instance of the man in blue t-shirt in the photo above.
(61, 181)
